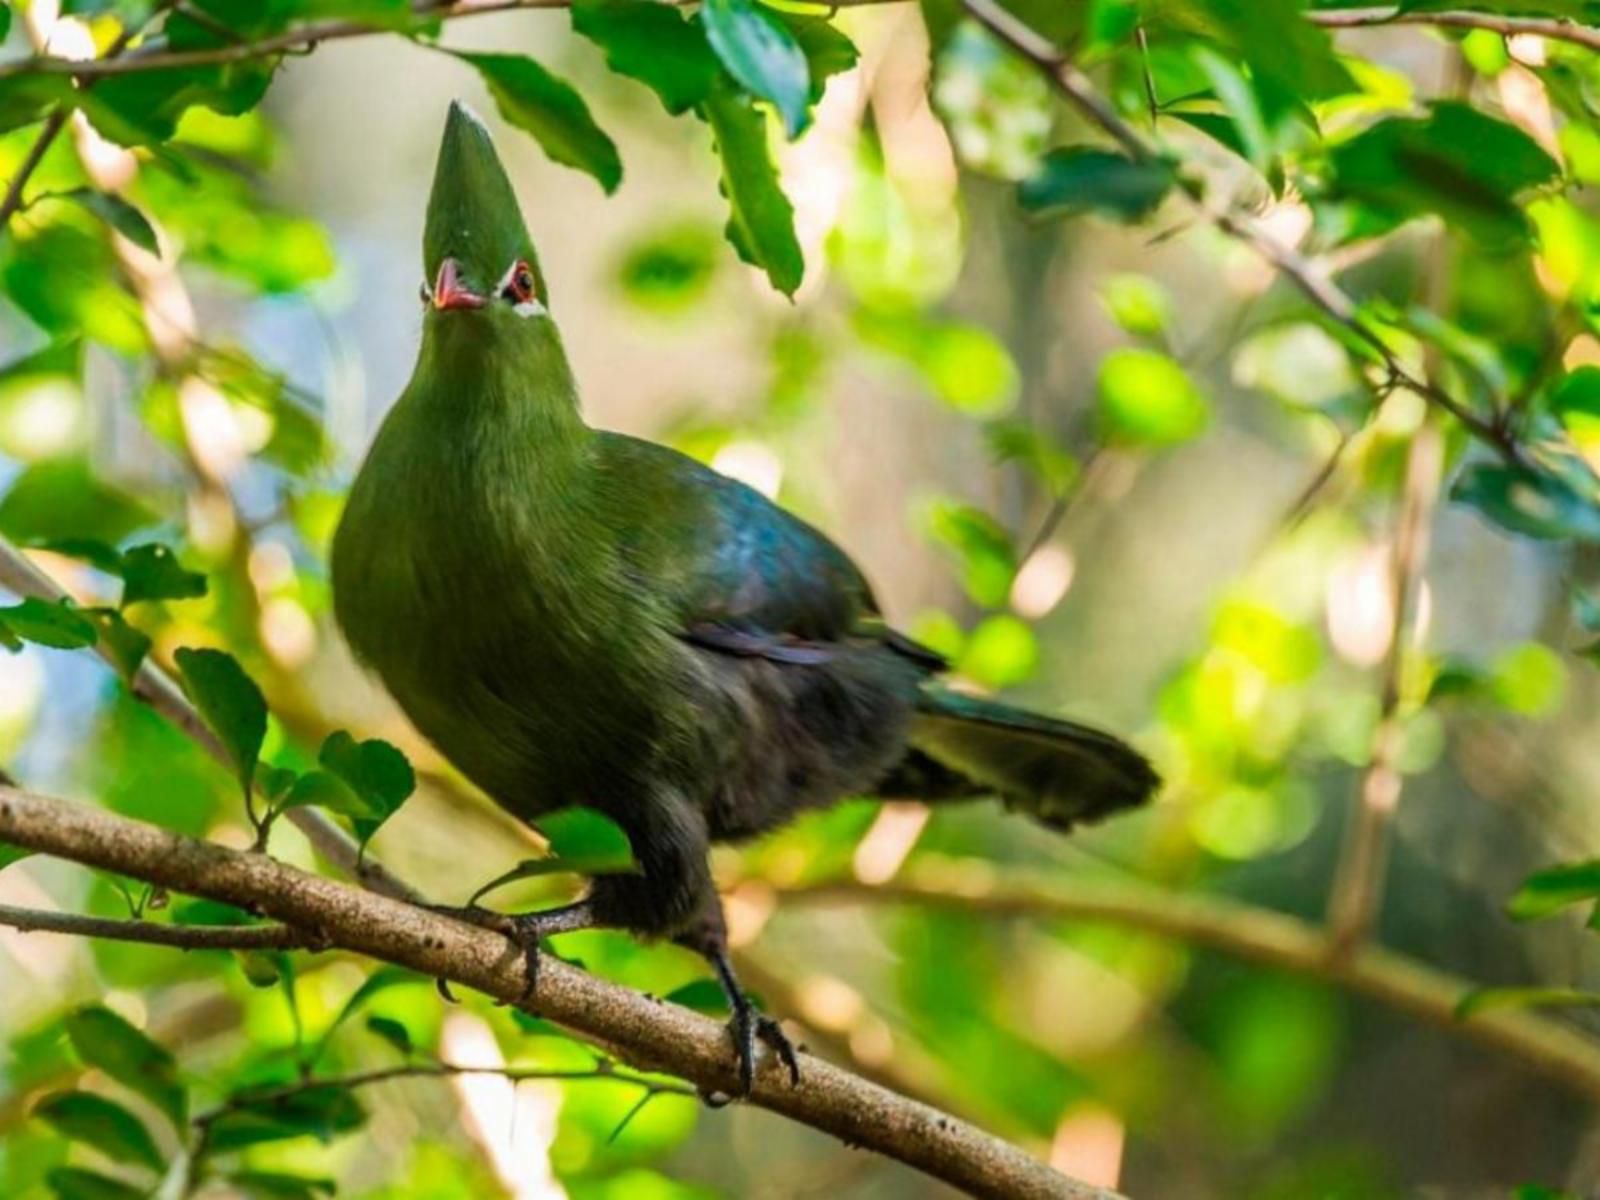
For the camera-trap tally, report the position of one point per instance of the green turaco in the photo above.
(579, 617)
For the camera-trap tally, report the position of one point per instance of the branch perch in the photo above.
(646, 1033)
(1559, 1052)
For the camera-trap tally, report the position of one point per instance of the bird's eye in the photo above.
(519, 285)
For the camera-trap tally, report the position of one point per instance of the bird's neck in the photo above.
(508, 411)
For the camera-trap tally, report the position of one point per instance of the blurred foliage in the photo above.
(935, 212)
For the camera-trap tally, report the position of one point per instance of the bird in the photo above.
(579, 617)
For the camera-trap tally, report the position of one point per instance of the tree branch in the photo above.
(1556, 1051)
(649, 1035)
(1311, 281)
(307, 37)
(152, 933)
(1558, 28)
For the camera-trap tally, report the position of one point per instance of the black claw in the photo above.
(746, 1028)
(444, 990)
(524, 933)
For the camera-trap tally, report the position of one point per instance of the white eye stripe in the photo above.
(529, 308)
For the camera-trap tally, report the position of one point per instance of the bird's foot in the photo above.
(525, 931)
(748, 1026)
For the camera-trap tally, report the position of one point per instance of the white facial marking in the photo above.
(529, 308)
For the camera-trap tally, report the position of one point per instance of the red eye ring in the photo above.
(521, 287)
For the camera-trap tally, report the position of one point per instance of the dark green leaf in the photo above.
(231, 704)
(761, 53)
(61, 498)
(537, 102)
(653, 43)
(76, 1183)
(11, 854)
(761, 227)
(1079, 179)
(323, 1112)
(263, 968)
(1536, 504)
(702, 995)
(5, 21)
(1491, 999)
(58, 624)
(375, 771)
(1288, 54)
(391, 1031)
(106, 1041)
(1460, 163)
(100, 1124)
(152, 572)
(25, 99)
(97, 554)
(1549, 891)
(120, 215)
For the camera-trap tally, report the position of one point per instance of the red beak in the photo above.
(449, 292)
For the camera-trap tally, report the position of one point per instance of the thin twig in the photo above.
(1559, 28)
(254, 1097)
(12, 203)
(1556, 1051)
(153, 933)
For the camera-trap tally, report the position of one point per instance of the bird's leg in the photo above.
(526, 930)
(708, 937)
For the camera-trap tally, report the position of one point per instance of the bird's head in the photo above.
(482, 281)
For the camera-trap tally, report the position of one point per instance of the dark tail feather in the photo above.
(1057, 772)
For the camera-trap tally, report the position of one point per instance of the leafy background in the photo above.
(1084, 440)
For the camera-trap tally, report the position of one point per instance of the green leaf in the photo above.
(76, 1183)
(58, 624)
(393, 1032)
(1549, 891)
(25, 99)
(262, 968)
(653, 43)
(152, 572)
(119, 214)
(1536, 504)
(324, 789)
(760, 52)
(381, 980)
(988, 559)
(129, 646)
(106, 1041)
(1460, 163)
(1491, 999)
(537, 102)
(828, 51)
(375, 771)
(61, 498)
(322, 1111)
(12, 854)
(761, 226)
(102, 1125)
(1137, 303)
(701, 995)
(1001, 652)
(231, 704)
(1080, 179)
(274, 1185)
(97, 554)
(1147, 399)
(582, 842)
(581, 832)
(5, 21)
